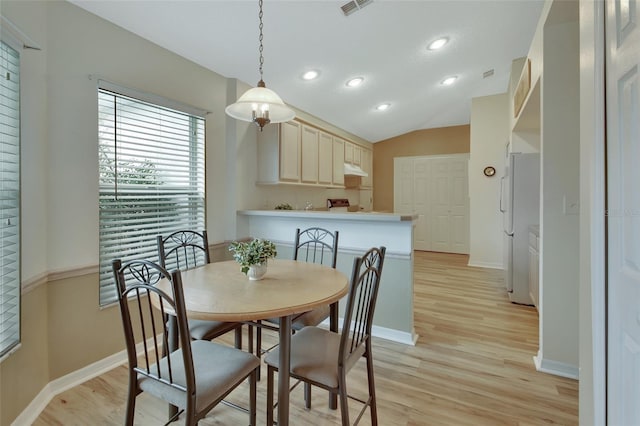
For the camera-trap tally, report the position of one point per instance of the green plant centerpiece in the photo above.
(252, 253)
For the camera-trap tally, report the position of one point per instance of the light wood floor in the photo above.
(472, 365)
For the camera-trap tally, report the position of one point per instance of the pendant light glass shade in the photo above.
(260, 102)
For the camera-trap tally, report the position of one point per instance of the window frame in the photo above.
(14, 342)
(192, 196)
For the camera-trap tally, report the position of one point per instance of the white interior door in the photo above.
(403, 185)
(459, 206)
(421, 172)
(440, 206)
(623, 219)
(436, 189)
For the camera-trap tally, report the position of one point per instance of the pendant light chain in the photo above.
(260, 105)
(261, 47)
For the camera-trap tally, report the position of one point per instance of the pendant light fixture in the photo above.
(259, 104)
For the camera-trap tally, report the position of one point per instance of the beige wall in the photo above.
(63, 328)
(25, 373)
(444, 140)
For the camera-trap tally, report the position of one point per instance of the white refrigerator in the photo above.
(520, 207)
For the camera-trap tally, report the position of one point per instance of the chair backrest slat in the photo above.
(361, 301)
(316, 245)
(137, 280)
(183, 250)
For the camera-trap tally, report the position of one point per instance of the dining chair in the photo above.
(186, 250)
(316, 245)
(195, 377)
(323, 358)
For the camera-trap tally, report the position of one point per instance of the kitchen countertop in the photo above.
(356, 216)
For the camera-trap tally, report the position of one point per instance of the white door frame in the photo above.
(593, 178)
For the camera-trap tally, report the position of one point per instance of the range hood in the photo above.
(351, 170)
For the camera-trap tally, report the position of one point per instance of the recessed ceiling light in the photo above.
(383, 107)
(449, 81)
(355, 82)
(310, 75)
(437, 44)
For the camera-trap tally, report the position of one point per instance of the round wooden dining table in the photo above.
(220, 291)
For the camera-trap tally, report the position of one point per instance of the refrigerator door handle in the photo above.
(502, 194)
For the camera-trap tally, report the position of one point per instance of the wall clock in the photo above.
(489, 171)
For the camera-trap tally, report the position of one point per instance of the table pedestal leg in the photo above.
(283, 371)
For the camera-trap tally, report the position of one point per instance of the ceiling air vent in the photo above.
(354, 6)
(488, 73)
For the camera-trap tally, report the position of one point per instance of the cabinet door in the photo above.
(367, 166)
(338, 161)
(325, 158)
(357, 155)
(290, 151)
(309, 154)
(348, 152)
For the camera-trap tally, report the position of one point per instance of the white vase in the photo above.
(257, 272)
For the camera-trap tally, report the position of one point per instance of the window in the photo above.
(9, 198)
(151, 166)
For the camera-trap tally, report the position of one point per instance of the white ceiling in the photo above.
(384, 42)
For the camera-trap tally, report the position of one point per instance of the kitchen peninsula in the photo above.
(358, 231)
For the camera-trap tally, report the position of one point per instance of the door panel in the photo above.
(421, 172)
(623, 219)
(436, 189)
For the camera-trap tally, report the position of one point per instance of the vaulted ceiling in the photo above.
(385, 42)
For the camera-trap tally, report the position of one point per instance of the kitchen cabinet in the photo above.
(309, 154)
(290, 151)
(338, 161)
(348, 152)
(357, 155)
(298, 153)
(325, 159)
(279, 153)
(534, 269)
(352, 153)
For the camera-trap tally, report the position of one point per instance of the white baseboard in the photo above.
(386, 333)
(59, 385)
(491, 265)
(555, 367)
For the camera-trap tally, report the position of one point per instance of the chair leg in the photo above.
(131, 405)
(270, 371)
(372, 387)
(238, 337)
(307, 395)
(252, 397)
(344, 400)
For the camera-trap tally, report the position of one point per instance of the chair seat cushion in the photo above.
(314, 356)
(217, 368)
(208, 330)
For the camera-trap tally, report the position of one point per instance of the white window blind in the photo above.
(151, 163)
(9, 198)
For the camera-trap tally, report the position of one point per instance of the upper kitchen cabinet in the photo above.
(352, 153)
(309, 162)
(300, 154)
(290, 147)
(525, 107)
(325, 159)
(338, 161)
(279, 149)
